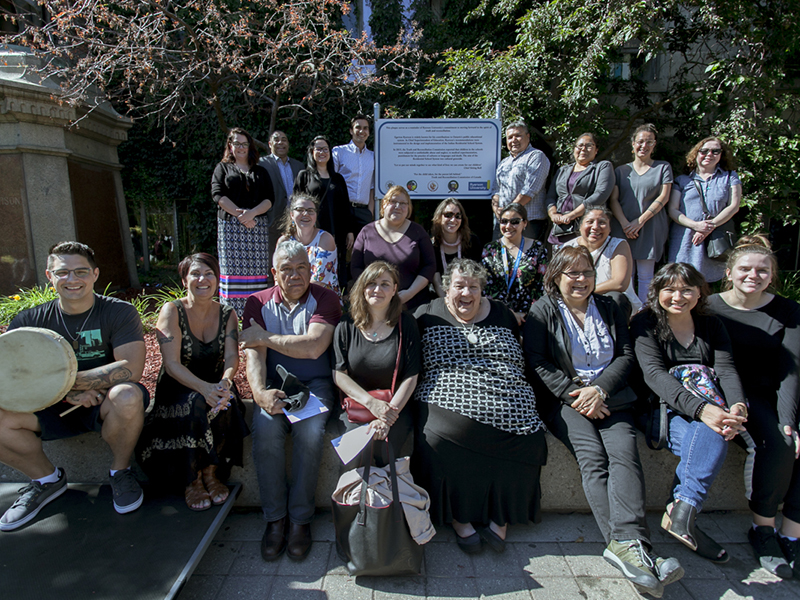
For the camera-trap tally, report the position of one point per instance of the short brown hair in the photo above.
(70, 249)
(199, 257)
(567, 257)
(359, 310)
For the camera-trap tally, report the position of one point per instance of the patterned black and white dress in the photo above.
(179, 436)
(479, 444)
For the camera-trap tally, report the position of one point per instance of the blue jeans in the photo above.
(279, 497)
(702, 453)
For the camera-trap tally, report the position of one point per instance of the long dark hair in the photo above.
(252, 151)
(668, 275)
(436, 224)
(311, 164)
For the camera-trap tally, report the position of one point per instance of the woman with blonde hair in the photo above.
(765, 335)
(396, 239)
(377, 348)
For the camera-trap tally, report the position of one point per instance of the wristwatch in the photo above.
(602, 392)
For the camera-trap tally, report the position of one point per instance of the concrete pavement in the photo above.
(558, 559)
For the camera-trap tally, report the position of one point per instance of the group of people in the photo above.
(475, 349)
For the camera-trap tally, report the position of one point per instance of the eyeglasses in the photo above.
(584, 147)
(574, 275)
(648, 143)
(240, 144)
(324, 149)
(714, 151)
(305, 211)
(396, 203)
(452, 215)
(64, 273)
(510, 221)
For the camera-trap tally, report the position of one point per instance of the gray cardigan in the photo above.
(593, 187)
(548, 352)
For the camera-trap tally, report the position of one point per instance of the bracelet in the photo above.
(699, 412)
(230, 383)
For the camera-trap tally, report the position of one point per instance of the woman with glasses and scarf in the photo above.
(515, 264)
(710, 180)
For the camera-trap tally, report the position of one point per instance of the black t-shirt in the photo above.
(112, 323)
(371, 364)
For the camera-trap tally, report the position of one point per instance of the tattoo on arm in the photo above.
(164, 339)
(104, 377)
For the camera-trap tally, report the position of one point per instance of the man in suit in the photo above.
(282, 171)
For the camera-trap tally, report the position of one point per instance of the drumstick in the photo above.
(69, 410)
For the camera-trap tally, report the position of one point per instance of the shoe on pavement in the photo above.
(632, 559)
(764, 541)
(127, 492)
(668, 570)
(791, 550)
(32, 498)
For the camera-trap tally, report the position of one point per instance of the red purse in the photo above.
(357, 413)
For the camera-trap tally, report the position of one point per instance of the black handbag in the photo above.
(376, 540)
(719, 242)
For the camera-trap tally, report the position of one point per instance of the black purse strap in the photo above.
(399, 351)
(362, 504)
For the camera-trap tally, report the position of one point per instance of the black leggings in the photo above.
(776, 473)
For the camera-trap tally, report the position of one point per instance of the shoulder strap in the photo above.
(699, 189)
(399, 351)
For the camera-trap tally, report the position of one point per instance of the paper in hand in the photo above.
(352, 443)
(313, 407)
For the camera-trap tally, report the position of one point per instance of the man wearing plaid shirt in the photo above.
(521, 178)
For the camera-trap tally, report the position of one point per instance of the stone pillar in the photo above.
(60, 179)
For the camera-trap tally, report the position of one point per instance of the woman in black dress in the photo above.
(195, 432)
(367, 344)
(479, 442)
(320, 180)
(243, 191)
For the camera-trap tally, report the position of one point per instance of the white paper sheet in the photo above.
(313, 407)
(351, 443)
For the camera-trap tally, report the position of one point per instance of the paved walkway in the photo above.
(559, 559)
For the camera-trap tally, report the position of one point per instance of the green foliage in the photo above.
(11, 306)
(693, 67)
(386, 21)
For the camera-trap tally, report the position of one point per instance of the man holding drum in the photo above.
(106, 335)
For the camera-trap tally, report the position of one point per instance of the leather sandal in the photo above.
(678, 521)
(196, 496)
(217, 490)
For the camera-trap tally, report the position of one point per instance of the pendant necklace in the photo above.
(75, 340)
(472, 337)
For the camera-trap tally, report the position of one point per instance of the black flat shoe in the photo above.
(470, 544)
(494, 541)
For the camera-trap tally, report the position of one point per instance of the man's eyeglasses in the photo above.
(64, 273)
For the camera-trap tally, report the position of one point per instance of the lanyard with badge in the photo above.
(510, 277)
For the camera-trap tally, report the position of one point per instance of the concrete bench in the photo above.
(86, 459)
